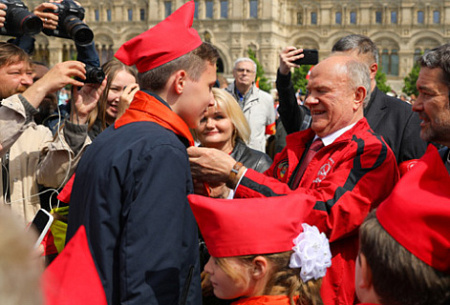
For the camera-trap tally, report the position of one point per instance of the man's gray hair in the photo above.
(244, 59)
(358, 75)
(362, 44)
(438, 58)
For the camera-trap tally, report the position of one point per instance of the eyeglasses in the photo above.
(241, 70)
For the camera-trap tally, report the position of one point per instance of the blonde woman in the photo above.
(224, 127)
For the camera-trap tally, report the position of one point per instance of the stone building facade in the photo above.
(401, 29)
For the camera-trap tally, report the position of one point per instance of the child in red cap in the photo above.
(258, 255)
(404, 256)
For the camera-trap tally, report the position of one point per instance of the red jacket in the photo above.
(349, 178)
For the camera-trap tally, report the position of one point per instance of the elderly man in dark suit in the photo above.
(387, 116)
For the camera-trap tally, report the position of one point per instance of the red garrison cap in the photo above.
(72, 278)
(166, 41)
(250, 226)
(417, 213)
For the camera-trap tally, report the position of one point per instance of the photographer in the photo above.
(58, 161)
(21, 140)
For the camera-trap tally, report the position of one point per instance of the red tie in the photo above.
(313, 149)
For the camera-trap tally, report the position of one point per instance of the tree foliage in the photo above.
(263, 82)
(380, 79)
(299, 78)
(411, 79)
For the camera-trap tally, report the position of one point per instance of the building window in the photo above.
(338, 18)
(378, 17)
(196, 10)
(130, 14)
(394, 17)
(353, 17)
(209, 9)
(97, 15)
(142, 14)
(313, 18)
(299, 18)
(436, 17)
(108, 14)
(167, 8)
(420, 17)
(390, 62)
(253, 9)
(224, 9)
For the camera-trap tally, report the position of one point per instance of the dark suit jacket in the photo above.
(387, 116)
(397, 123)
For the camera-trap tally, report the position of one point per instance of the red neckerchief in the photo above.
(147, 108)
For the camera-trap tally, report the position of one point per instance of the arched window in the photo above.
(338, 18)
(436, 17)
(394, 17)
(253, 8)
(167, 8)
(224, 9)
(420, 17)
(314, 18)
(389, 61)
(196, 10)
(379, 17)
(353, 17)
(209, 9)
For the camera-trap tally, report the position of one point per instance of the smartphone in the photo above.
(311, 57)
(41, 224)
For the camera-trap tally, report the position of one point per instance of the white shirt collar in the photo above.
(327, 140)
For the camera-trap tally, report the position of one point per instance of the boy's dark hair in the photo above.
(193, 62)
(399, 277)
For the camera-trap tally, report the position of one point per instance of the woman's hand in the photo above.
(126, 98)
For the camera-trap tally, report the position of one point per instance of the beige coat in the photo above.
(35, 157)
(24, 141)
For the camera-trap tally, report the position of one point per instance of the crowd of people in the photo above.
(173, 198)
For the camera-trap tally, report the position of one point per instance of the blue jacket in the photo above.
(130, 193)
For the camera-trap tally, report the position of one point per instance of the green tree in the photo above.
(411, 79)
(299, 78)
(380, 79)
(263, 82)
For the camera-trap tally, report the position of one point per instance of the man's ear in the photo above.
(260, 267)
(373, 68)
(179, 82)
(360, 95)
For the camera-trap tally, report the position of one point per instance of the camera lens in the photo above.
(21, 21)
(94, 75)
(78, 30)
(31, 25)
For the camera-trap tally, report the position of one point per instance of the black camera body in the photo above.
(94, 75)
(70, 24)
(18, 20)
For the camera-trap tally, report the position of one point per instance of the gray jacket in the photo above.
(259, 111)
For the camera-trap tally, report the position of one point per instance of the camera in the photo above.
(94, 75)
(70, 24)
(18, 20)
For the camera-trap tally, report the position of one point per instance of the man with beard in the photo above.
(433, 102)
